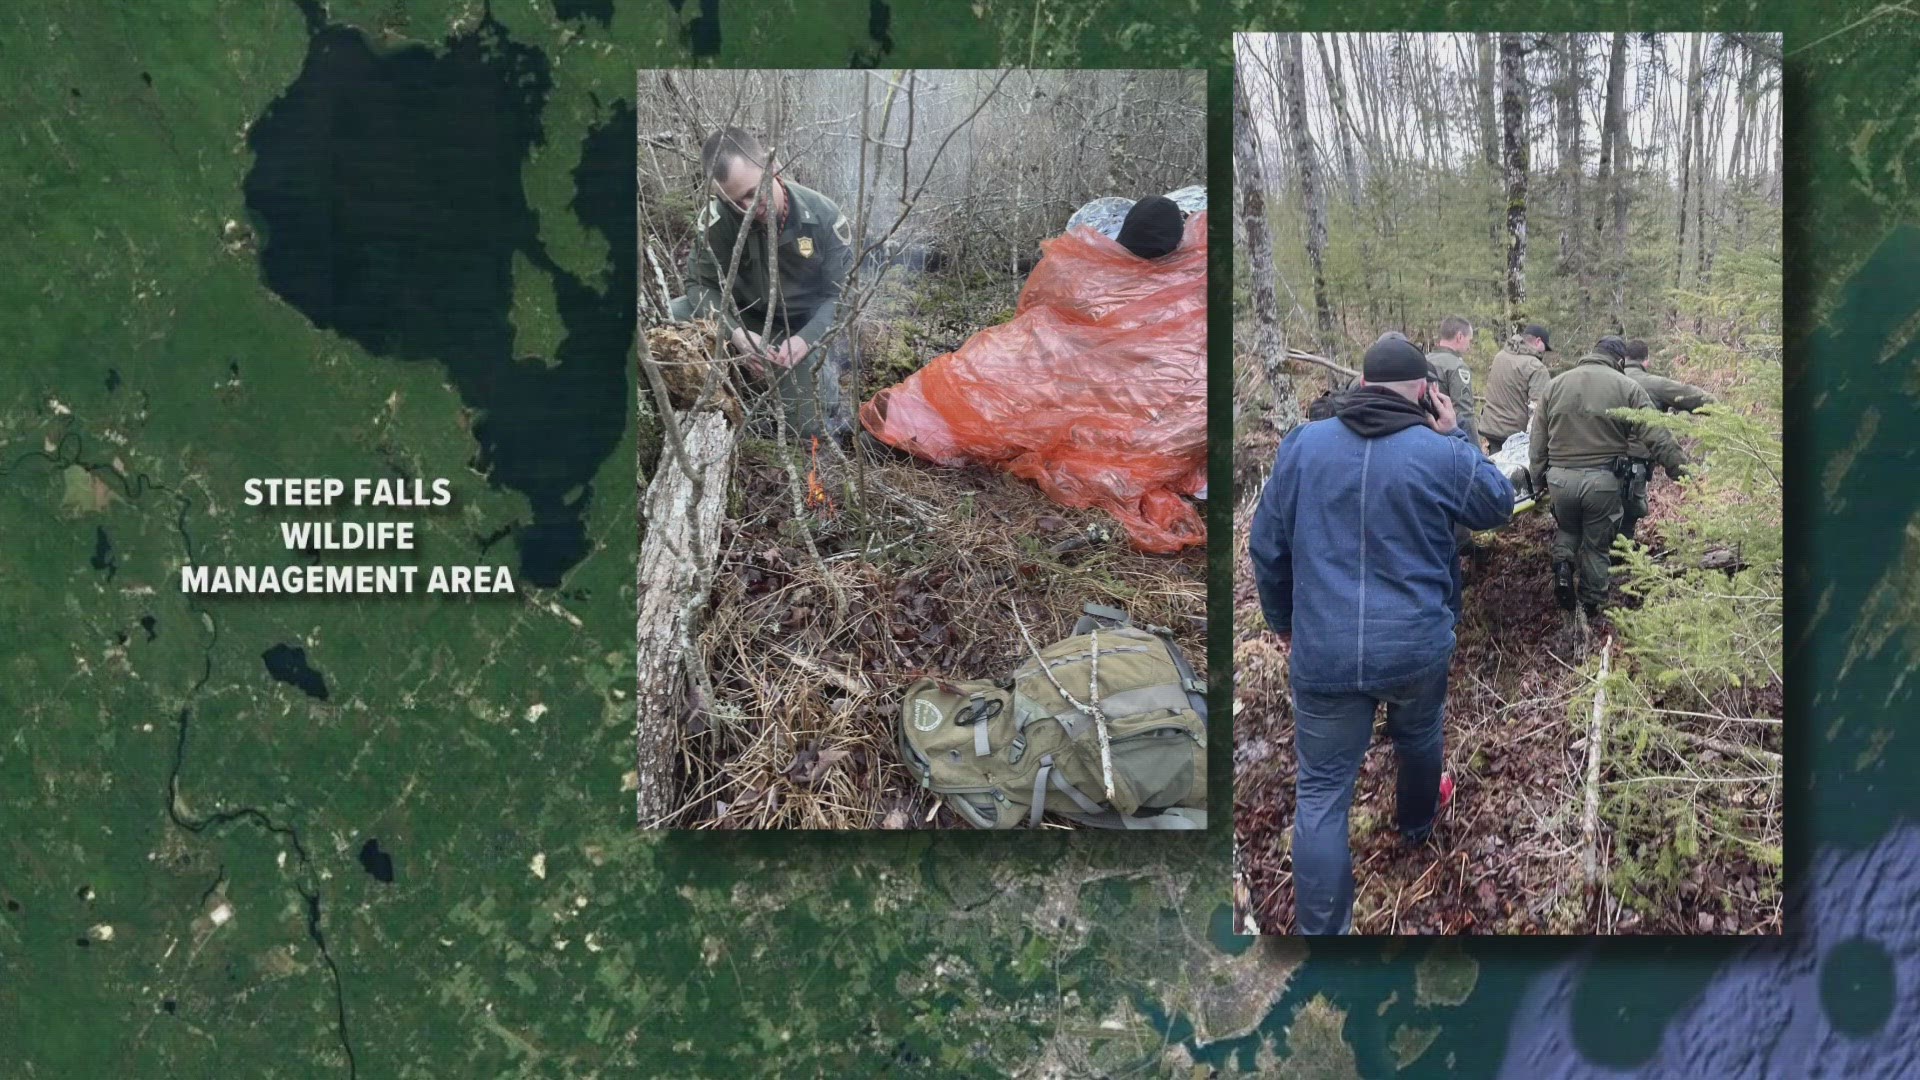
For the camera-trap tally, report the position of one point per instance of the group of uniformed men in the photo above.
(1592, 466)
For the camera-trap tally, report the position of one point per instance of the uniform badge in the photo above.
(806, 247)
(1466, 377)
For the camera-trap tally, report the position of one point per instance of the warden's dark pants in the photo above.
(809, 391)
(1588, 506)
(1331, 732)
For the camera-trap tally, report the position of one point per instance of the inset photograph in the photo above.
(1507, 450)
(922, 450)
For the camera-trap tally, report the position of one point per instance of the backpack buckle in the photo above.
(977, 709)
(1016, 749)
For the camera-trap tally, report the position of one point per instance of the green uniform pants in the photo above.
(1588, 506)
(809, 391)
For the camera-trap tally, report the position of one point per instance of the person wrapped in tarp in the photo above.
(1096, 389)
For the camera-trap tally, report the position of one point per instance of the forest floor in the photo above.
(930, 566)
(1506, 857)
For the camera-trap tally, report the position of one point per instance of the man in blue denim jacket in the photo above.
(1354, 555)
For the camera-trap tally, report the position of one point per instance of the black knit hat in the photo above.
(1153, 227)
(1536, 330)
(1393, 359)
(1615, 347)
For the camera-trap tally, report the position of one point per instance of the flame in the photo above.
(816, 493)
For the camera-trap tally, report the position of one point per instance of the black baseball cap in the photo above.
(1536, 330)
(1393, 358)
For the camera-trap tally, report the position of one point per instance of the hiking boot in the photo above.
(1563, 589)
(1592, 611)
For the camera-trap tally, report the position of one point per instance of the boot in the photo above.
(1563, 588)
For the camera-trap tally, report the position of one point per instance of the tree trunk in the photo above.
(676, 569)
(1269, 338)
(1705, 178)
(1686, 161)
(1489, 124)
(1345, 130)
(1615, 160)
(1513, 109)
(1572, 151)
(1488, 115)
(1312, 194)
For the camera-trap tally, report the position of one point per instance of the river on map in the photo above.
(387, 187)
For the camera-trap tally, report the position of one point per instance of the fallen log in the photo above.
(682, 508)
(1590, 820)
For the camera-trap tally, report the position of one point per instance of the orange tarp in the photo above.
(1096, 389)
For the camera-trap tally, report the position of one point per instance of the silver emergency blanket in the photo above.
(1511, 459)
(1105, 215)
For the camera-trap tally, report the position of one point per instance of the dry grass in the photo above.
(933, 563)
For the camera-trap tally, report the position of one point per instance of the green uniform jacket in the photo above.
(1669, 394)
(1572, 430)
(1457, 383)
(1518, 379)
(815, 252)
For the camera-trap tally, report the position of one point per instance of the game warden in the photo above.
(813, 253)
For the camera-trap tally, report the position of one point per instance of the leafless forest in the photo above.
(788, 592)
(1604, 183)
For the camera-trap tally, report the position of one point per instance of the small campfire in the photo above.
(817, 499)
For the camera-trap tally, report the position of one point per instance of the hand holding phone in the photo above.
(1440, 407)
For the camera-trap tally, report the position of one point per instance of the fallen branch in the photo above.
(1296, 354)
(1090, 708)
(1764, 756)
(1590, 820)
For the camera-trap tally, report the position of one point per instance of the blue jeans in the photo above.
(1331, 732)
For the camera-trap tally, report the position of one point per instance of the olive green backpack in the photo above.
(1002, 754)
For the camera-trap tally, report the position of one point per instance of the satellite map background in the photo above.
(368, 854)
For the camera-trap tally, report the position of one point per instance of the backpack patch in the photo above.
(926, 715)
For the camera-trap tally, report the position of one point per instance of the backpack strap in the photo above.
(1098, 615)
(1174, 818)
(1192, 683)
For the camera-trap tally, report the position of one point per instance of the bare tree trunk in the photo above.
(1705, 178)
(1513, 108)
(1487, 114)
(1269, 336)
(1337, 93)
(1312, 195)
(1615, 160)
(1489, 124)
(683, 509)
(1572, 151)
(1686, 161)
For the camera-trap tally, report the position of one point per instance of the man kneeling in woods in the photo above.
(1353, 547)
(812, 249)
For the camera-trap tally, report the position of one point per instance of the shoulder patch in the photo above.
(843, 230)
(926, 715)
(709, 215)
(1466, 376)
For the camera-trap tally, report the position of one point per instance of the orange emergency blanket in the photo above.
(1096, 389)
